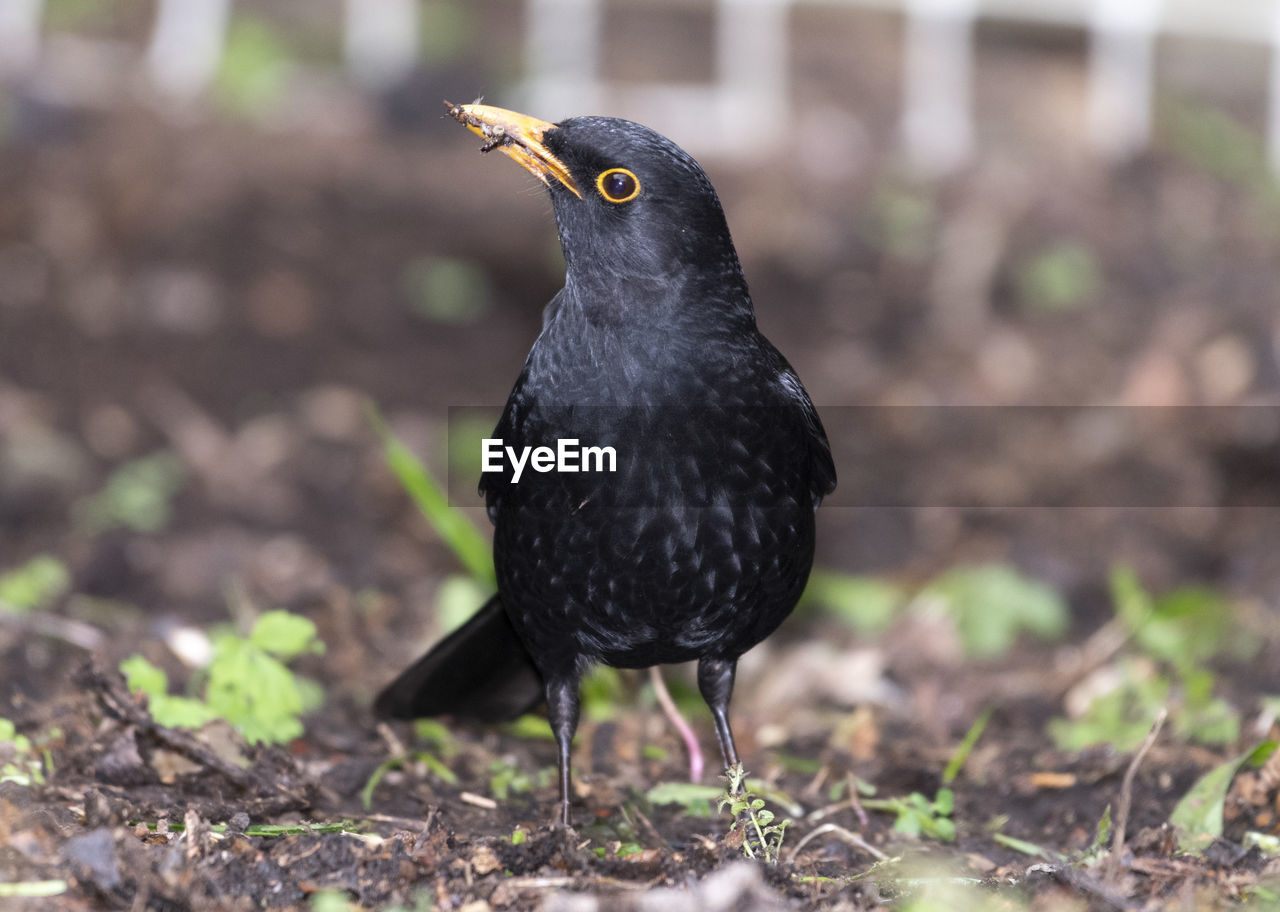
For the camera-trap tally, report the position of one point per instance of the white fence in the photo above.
(564, 72)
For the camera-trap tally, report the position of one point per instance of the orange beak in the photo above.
(519, 136)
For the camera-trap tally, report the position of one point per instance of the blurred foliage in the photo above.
(34, 585)
(255, 66)
(693, 797)
(470, 547)
(447, 31)
(247, 682)
(865, 603)
(1215, 141)
(138, 496)
(904, 221)
(467, 428)
(1233, 152)
(1063, 277)
(1184, 627)
(1121, 717)
(601, 693)
(991, 604)
(507, 779)
(1178, 633)
(448, 289)
(77, 14)
(457, 598)
(8, 119)
(941, 891)
(20, 760)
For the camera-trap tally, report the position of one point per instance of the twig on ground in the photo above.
(1115, 859)
(848, 836)
(68, 630)
(109, 687)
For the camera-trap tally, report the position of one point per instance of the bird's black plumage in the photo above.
(700, 543)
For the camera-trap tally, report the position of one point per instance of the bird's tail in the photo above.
(481, 671)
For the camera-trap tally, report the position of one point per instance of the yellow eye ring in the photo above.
(618, 185)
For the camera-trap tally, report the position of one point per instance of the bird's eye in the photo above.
(618, 185)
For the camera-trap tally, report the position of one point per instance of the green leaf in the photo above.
(965, 747)
(143, 677)
(1198, 816)
(285, 635)
(684, 793)
(1184, 627)
(1023, 846)
(179, 712)
(991, 604)
(438, 736)
(438, 768)
(33, 585)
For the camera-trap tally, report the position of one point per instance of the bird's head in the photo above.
(631, 205)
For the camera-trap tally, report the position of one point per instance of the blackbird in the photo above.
(696, 539)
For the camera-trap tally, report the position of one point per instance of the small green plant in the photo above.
(444, 746)
(20, 761)
(918, 816)
(34, 585)
(506, 779)
(762, 833)
(247, 682)
(138, 496)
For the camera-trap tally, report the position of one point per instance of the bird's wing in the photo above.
(821, 464)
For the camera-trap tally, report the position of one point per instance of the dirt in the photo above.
(235, 297)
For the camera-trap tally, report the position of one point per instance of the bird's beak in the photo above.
(519, 136)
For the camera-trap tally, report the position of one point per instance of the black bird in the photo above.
(699, 542)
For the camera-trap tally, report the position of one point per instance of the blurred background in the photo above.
(227, 226)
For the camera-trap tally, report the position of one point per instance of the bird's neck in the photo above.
(630, 344)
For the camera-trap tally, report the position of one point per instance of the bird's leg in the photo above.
(672, 713)
(562, 712)
(715, 681)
